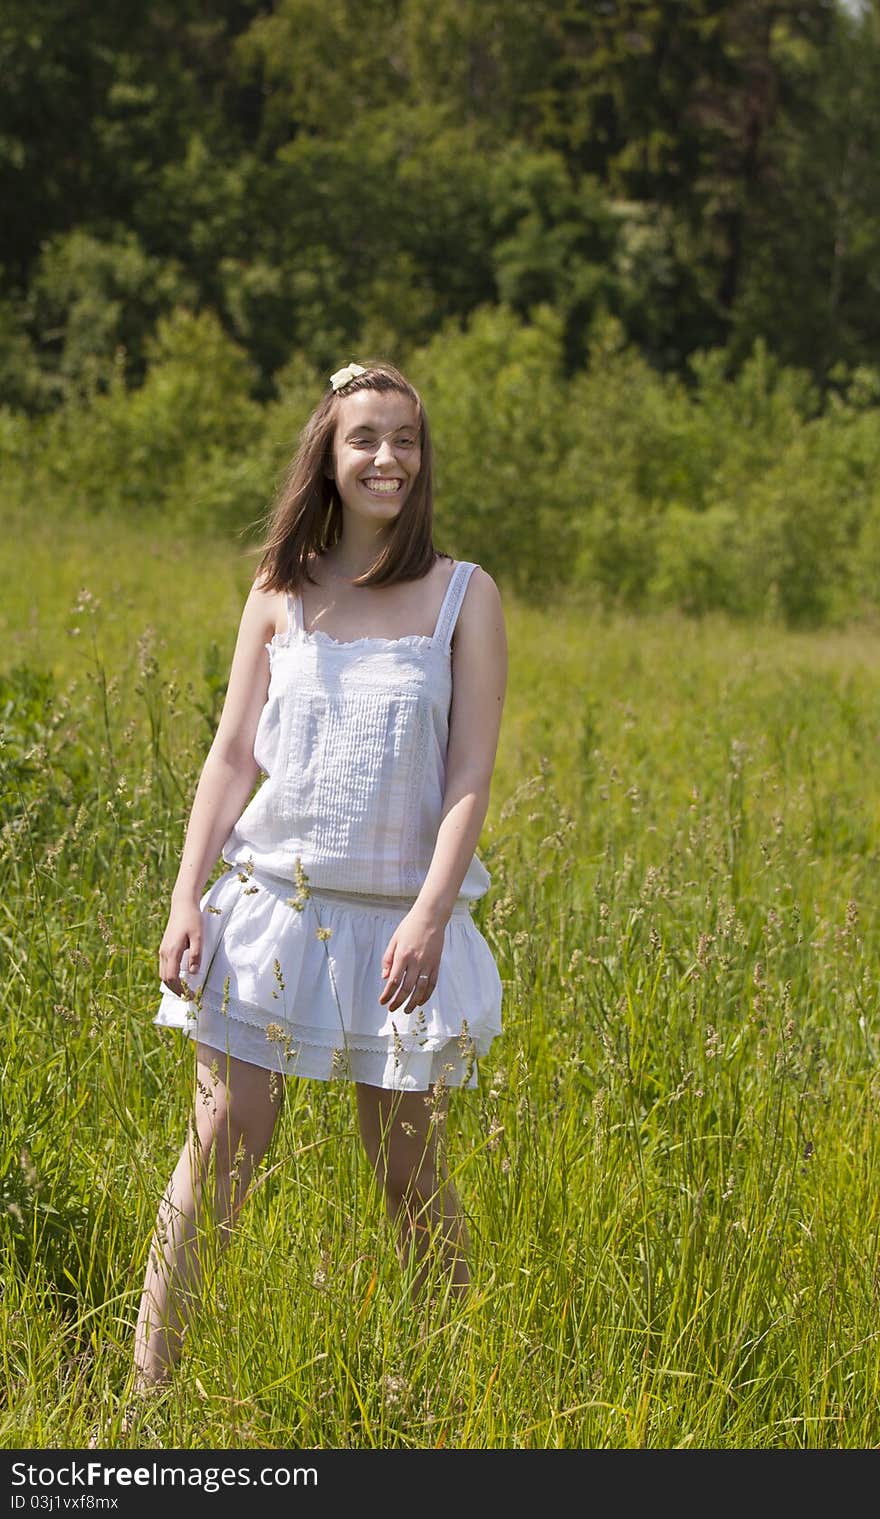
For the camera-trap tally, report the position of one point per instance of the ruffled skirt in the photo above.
(291, 979)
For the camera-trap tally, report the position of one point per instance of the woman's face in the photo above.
(376, 452)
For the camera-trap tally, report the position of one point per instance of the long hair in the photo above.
(306, 517)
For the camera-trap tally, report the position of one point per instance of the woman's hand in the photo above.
(411, 963)
(183, 932)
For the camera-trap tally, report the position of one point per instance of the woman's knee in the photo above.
(411, 1186)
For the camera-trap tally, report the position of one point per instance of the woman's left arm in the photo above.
(479, 680)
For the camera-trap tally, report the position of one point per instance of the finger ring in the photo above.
(423, 977)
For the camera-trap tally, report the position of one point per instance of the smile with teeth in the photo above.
(380, 485)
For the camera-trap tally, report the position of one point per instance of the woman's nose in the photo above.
(384, 453)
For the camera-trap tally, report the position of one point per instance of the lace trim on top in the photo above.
(319, 636)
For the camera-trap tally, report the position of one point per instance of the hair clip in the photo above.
(343, 377)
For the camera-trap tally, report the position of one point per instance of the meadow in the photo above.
(670, 1167)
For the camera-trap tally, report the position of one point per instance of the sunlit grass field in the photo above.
(670, 1168)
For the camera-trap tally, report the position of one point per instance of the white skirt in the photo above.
(291, 982)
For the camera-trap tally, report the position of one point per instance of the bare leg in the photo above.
(235, 1111)
(403, 1135)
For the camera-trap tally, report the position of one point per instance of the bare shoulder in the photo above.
(482, 611)
(265, 611)
(479, 644)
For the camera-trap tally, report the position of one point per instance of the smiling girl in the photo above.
(365, 694)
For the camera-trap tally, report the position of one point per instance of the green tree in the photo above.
(812, 255)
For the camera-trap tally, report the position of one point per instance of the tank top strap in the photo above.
(448, 615)
(294, 611)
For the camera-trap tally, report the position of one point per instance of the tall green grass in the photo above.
(670, 1167)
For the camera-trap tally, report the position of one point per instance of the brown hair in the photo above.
(306, 517)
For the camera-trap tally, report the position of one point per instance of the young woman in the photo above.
(366, 688)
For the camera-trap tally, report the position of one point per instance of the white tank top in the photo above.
(352, 741)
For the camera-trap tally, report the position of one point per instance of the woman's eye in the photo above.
(372, 445)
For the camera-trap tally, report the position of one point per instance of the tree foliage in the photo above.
(325, 174)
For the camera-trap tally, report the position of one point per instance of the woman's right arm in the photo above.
(224, 787)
